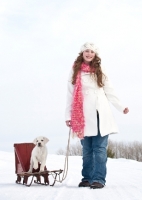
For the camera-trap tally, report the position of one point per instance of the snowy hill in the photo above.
(123, 181)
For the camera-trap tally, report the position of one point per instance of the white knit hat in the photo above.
(89, 45)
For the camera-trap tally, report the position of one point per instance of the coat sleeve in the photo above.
(110, 94)
(70, 89)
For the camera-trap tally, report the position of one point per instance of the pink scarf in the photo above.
(77, 115)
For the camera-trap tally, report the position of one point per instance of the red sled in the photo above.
(22, 164)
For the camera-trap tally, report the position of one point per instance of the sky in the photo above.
(39, 41)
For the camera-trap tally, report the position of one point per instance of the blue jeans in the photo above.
(94, 157)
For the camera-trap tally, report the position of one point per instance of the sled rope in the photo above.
(65, 171)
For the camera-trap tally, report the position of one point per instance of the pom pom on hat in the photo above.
(89, 45)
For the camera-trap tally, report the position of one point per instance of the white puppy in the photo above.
(39, 153)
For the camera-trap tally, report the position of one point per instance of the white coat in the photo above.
(95, 99)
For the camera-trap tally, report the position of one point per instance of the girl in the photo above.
(89, 115)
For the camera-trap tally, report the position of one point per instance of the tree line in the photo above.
(128, 150)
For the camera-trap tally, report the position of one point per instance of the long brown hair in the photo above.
(95, 64)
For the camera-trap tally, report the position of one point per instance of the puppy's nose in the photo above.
(39, 144)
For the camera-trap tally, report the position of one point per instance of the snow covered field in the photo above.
(124, 181)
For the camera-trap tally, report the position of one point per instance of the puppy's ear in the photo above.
(35, 140)
(46, 140)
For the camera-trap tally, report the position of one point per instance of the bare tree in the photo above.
(74, 150)
(129, 150)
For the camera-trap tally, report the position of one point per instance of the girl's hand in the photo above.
(126, 110)
(68, 123)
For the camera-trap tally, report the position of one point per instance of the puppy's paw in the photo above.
(30, 171)
(35, 166)
(41, 169)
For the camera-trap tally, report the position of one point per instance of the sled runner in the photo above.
(22, 164)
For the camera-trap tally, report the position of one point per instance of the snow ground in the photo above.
(124, 179)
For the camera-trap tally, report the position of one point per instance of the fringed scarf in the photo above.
(77, 115)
